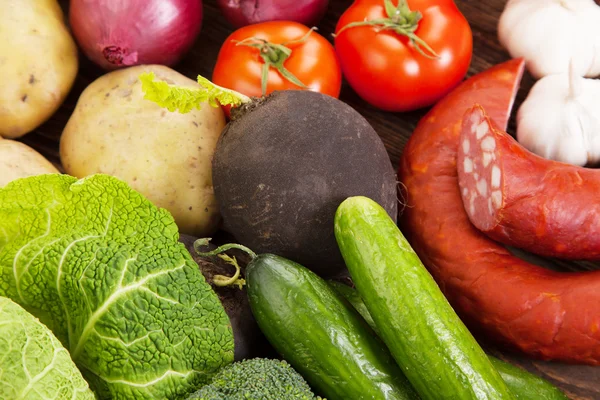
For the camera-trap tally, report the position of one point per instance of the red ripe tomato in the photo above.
(312, 60)
(390, 70)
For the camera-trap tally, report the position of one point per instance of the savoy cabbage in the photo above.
(102, 268)
(33, 363)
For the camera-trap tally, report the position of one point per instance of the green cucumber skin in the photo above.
(354, 299)
(523, 384)
(320, 334)
(436, 351)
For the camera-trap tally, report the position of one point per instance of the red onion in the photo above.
(246, 12)
(120, 33)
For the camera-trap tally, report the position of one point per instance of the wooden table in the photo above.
(579, 382)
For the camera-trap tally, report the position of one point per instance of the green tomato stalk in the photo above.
(274, 55)
(401, 20)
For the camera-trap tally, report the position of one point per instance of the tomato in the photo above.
(386, 69)
(312, 60)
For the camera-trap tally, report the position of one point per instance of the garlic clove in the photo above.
(552, 33)
(570, 143)
(559, 123)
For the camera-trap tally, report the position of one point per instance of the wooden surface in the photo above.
(579, 382)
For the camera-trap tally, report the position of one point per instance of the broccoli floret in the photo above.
(207, 392)
(256, 379)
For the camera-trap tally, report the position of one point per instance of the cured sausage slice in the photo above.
(523, 200)
(479, 174)
(543, 313)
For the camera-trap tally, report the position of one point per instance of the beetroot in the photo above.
(284, 164)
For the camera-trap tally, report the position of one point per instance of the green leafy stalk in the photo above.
(274, 56)
(401, 20)
(185, 99)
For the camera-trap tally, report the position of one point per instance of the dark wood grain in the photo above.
(579, 382)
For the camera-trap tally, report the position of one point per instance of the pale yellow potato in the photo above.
(164, 155)
(38, 64)
(17, 160)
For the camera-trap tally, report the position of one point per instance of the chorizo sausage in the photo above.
(523, 200)
(543, 313)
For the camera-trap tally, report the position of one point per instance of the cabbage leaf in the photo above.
(102, 268)
(33, 363)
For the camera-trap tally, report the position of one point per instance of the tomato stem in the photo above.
(401, 20)
(274, 56)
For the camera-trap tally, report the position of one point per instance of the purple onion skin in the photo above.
(247, 12)
(121, 33)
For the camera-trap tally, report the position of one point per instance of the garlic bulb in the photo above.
(550, 34)
(560, 119)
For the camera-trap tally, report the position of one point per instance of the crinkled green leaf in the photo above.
(102, 268)
(34, 365)
(186, 99)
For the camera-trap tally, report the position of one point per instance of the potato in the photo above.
(17, 160)
(38, 64)
(164, 155)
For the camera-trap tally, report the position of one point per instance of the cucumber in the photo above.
(523, 384)
(436, 351)
(320, 334)
(355, 300)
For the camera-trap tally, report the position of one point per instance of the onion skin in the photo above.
(121, 33)
(246, 12)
